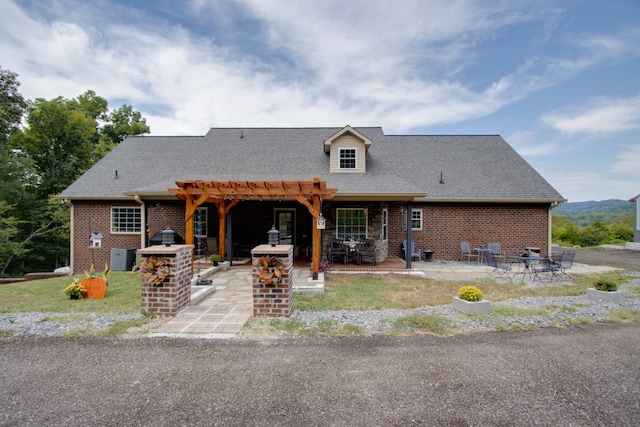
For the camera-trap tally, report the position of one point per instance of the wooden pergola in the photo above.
(226, 194)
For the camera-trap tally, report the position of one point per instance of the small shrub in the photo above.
(606, 285)
(470, 293)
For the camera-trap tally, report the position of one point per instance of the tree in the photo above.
(61, 140)
(12, 106)
(9, 230)
(58, 139)
(119, 124)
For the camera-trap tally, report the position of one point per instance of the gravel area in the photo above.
(54, 324)
(536, 313)
(533, 313)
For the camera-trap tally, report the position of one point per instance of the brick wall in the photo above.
(446, 225)
(174, 293)
(273, 299)
(95, 217)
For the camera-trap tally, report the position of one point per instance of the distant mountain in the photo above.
(585, 213)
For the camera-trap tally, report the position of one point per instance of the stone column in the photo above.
(174, 293)
(272, 296)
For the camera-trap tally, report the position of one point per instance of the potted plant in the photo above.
(470, 301)
(215, 259)
(605, 290)
(75, 290)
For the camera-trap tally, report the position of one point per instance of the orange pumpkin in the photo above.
(96, 287)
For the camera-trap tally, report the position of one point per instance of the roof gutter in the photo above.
(484, 200)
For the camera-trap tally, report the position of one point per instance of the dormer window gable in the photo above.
(347, 150)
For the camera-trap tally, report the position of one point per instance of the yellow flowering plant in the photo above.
(75, 289)
(470, 293)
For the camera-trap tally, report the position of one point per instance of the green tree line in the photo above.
(45, 145)
(568, 233)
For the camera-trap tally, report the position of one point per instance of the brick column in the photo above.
(174, 293)
(273, 299)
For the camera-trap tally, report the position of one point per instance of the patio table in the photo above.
(527, 262)
(482, 259)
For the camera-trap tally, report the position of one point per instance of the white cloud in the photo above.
(602, 116)
(580, 186)
(358, 62)
(628, 163)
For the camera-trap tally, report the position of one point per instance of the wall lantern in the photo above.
(95, 240)
(168, 236)
(274, 236)
(320, 222)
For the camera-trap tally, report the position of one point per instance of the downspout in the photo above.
(72, 258)
(550, 230)
(143, 221)
(407, 253)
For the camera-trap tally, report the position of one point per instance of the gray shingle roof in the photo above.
(474, 167)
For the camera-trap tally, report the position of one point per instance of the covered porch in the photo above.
(224, 195)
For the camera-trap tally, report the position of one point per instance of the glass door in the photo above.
(286, 225)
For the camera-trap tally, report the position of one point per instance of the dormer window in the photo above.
(348, 151)
(348, 158)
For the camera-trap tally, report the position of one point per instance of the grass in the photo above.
(421, 322)
(344, 292)
(47, 296)
(402, 291)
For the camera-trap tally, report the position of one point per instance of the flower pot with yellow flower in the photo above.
(470, 301)
(75, 290)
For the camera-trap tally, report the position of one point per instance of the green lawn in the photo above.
(47, 296)
(344, 292)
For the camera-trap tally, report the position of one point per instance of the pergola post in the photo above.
(226, 194)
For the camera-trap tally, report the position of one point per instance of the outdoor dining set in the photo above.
(529, 263)
(351, 250)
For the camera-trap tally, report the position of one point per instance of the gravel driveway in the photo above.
(613, 257)
(551, 377)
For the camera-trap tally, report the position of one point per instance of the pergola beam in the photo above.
(226, 194)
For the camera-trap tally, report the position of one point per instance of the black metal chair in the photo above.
(465, 249)
(496, 250)
(501, 268)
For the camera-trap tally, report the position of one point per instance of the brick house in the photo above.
(434, 190)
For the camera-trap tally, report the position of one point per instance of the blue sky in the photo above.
(559, 80)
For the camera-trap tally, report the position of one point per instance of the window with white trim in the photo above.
(351, 224)
(200, 222)
(125, 220)
(347, 158)
(416, 219)
(385, 224)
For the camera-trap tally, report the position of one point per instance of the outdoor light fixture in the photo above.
(168, 236)
(274, 236)
(320, 222)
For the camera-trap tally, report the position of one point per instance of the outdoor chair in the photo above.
(367, 250)
(414, 253)
(565, 262)
(336, 249)
(550, 267)
(501, 268)
(496, 250)
(465, 249)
